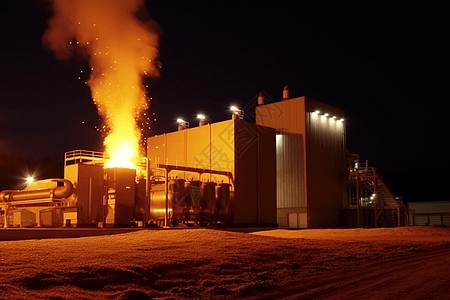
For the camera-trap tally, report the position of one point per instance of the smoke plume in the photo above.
(121, 50)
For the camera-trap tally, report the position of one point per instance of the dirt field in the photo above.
(386, 263)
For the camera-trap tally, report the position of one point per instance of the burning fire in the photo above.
(121, 51)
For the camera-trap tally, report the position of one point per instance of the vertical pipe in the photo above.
(147, 192)
(375, 205)
(358, 202)
(90, 197)
(210, 162)
(286, 92)
(5, 224)
(261, 98)
(166, 189)
(258, 176)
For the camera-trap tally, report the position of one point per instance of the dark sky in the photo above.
(385, 64)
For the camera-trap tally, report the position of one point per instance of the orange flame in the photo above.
(121, 50)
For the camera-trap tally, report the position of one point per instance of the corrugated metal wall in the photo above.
(325, 165)
(290, 175)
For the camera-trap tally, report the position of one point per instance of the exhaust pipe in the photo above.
(58, 192)
(286, 92)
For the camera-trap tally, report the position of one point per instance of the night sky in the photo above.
(385, 65)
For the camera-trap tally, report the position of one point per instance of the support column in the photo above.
(358, 200)
(147, 193)
(375, 198)
(166, 190)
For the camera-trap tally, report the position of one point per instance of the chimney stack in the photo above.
(286, 92)
(182, 124)
(261, 99)
(204, 121)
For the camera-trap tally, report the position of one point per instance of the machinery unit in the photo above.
(35, 197)
(51, 217)
(24, 218)
(120, 193)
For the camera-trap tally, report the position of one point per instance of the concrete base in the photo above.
(12, 234)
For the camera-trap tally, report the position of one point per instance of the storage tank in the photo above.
(176, 203)
(223, 202)
(207, 202)
(177, 193)
(192, 200)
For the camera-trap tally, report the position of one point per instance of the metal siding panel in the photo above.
(246, 173)
(156, 148)
(290, 176)
(223, 149)
(267, 207)
(325, 159)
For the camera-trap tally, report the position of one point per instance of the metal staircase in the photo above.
(371, 191)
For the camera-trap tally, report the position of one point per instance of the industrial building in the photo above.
(431, 213)
(290, 169)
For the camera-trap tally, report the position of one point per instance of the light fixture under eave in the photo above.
(201, 117)
(342, 120)
(325, 114)
(234, 108)
(29, 179)
(334, 117)
(317, 112)
(180, 120)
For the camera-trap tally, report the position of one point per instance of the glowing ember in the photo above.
(121, 50)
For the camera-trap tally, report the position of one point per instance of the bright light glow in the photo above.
(342, 120)
(30, 179)
(122, 156)
(334, 117)
(326, 114)
(317, 112)
(201, 117)
(180, 120)
(234, 108)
